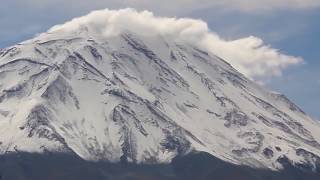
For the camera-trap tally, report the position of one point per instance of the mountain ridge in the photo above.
(144, 99)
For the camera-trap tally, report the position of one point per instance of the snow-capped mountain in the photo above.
(144, 99)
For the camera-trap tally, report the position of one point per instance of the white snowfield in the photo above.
(143, 99)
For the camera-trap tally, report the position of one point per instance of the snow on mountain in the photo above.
(144, 99)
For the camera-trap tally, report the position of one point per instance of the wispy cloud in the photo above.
(249, 55)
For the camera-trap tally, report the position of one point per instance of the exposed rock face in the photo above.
(268, 153)
(133, 98)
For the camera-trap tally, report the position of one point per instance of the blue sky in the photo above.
(293, 28)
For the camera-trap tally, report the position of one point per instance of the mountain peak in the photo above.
(143, 99)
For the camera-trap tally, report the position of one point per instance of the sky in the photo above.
(283, 31)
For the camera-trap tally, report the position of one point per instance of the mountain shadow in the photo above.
(200, 166)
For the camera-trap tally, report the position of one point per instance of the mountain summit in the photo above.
(133, 96)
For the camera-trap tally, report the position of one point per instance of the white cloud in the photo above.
(249, 55)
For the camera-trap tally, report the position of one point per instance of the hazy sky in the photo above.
(292, 26)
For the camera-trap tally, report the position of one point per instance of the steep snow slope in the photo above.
(143, 99)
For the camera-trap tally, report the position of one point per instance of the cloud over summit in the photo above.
(249, 55)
